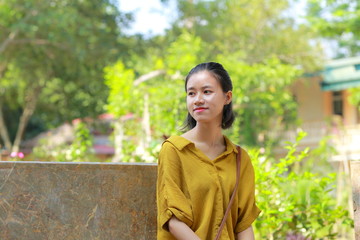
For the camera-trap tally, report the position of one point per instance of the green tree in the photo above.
(337, 21)
(256, 30)
(52, 56)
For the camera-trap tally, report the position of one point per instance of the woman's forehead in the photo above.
(201, 79)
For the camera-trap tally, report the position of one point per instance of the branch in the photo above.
(9, 39)
(3, 68)
(13, 34)
(149, 76)
(39, 42)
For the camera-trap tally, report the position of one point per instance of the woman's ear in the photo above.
(228, 96)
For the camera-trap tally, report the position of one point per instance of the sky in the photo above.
(151, 16)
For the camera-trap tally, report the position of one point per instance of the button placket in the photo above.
(220, 198)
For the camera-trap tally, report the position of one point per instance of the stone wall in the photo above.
(102, 201)
(355, 177)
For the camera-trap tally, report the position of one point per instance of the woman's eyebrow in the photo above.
(203, 87)
(206, 86)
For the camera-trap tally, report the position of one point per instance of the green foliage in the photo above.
(165, 92)
(259, 48)
(263, 50)
(337, 20)
(184, 53)
(296, 202)
(52, 55)
(80, 150)
(262, 98)
(123, 96)
(354, 97)
(131, 153)
(258, 29)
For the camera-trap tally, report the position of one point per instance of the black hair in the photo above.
(219, 72)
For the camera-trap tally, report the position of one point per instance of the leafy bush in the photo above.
(296, 204)
(79, 150)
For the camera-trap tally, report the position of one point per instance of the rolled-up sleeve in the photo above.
(247, 209)
(171, 192)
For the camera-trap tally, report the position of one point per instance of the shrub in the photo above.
(296, 204)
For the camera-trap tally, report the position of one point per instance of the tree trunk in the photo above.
(3, 130)
(4, 133)
(29, 108)
(146, 122)
(118, 141)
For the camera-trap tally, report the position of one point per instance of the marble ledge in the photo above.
(43, 200)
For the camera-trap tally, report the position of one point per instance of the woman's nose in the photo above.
(199, 99)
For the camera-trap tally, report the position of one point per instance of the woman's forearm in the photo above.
(247, 234)
(180, 230)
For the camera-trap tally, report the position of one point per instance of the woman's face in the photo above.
(205, 97)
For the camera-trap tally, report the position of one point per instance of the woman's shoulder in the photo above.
(171, 151)
(232, 144)
(177, 142)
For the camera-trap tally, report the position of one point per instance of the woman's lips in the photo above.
(199, 109)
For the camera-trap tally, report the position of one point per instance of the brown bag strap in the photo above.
(238, 165)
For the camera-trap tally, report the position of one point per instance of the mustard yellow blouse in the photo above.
(197, 190)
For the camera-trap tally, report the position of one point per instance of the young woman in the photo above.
(197, 170)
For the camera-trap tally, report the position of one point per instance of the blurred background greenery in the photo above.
(76, 84)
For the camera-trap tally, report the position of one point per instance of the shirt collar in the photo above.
(181, 142)
(178, 141)
(230, 147)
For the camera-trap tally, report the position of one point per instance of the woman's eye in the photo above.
(191, 93)
(207, 91)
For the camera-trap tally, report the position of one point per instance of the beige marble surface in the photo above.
(355, 178)
(77, 201)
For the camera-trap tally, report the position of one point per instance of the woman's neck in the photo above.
(209, 135)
